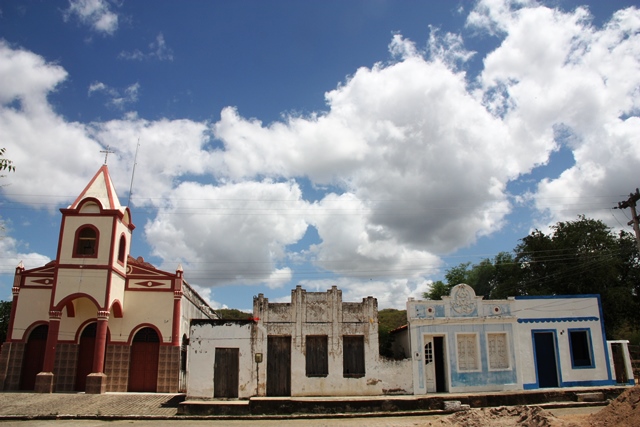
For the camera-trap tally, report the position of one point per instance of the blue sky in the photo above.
(365, 144)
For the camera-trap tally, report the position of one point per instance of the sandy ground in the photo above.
(622, 412)
(571, 416)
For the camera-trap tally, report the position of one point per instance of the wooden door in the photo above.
(225, 373)
(86, 349)
(429, 365)
(143, 362)
(438, 355)
(546, 364)
(619, 364)
(279, 366)
(33, 358)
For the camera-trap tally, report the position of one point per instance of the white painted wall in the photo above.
(560, 315)
(205, 337)
(324, 313)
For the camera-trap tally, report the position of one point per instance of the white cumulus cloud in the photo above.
(574, 77)
(416, 155)
(97, 14)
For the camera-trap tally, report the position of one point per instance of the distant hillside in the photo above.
(233, 314)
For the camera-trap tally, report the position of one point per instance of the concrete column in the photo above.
(17, 280)
(14, 306)
(44, 380)
(101, 342)
(97, 380)
(177, 315)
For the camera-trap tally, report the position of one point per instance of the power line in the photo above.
(631, 204)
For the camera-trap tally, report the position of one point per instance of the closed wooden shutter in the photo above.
(317, 362)
(353, 356)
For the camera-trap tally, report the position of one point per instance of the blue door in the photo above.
(546, 365)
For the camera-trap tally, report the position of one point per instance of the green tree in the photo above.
(577, 257)
(388, 320)
(497, 278)
(5, 164)
(5, 315)
(437, 291)
(583, 256)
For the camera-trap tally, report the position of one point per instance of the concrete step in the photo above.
(432, 403)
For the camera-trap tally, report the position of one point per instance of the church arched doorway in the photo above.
(33, 358)
(143, 363)
(86, 352)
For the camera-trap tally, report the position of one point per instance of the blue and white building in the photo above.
(464, 343)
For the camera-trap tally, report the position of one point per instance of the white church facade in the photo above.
(96, 319)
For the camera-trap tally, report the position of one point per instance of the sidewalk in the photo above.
(80, 405)
(112, 406)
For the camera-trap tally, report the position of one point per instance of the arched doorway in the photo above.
(86, 349)
(143, 364)
(33, 358)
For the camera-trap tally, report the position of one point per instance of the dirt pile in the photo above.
(622, 412)
(503, 416)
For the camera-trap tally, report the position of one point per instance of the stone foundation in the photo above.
(168, 369)
(65, 366)
(11, 355)
(96, 384)
(116, 366)
(45, 382)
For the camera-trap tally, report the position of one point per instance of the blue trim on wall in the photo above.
(557, 296)
(482, 377)
(594, 383)
(589, 344)
(535, 356)
(558, 319)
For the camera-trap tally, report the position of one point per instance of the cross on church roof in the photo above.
(106, 152)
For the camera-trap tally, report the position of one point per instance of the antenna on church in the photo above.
(133, 172)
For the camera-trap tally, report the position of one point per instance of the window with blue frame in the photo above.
(581, 350)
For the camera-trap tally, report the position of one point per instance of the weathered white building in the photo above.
(221, 359)
(465, 343)
(316, 345)
(462, 343)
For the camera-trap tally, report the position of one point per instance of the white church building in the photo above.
(96, 319)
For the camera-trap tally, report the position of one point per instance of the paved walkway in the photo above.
(80, 404)
(141, 406)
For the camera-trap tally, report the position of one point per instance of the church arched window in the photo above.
(122, 249)
(86, 243)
